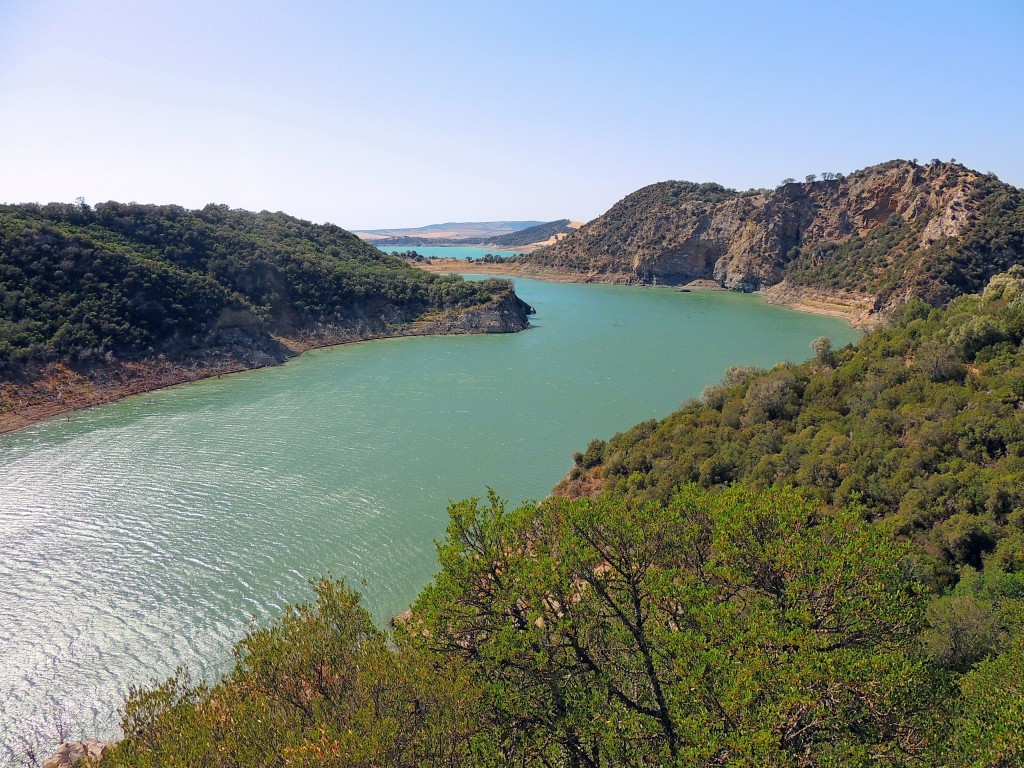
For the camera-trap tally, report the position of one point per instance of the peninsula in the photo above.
(107, 301)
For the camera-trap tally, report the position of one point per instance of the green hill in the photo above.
(99, 303)
(129, 280)
(818, 565)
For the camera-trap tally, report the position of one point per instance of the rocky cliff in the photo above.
(878, 237)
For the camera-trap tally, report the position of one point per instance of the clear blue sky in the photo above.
(376, 114)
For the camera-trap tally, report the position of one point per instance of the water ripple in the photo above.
(147, 534)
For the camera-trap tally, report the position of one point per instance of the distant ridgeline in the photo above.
(128, 281)
(528, 236)
(890, 232)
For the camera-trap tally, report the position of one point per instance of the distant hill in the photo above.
(538, 234)
(93, 288)
(885, 234)
(452, 230)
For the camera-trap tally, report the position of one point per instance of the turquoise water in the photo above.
(147, 533)
(447, 251)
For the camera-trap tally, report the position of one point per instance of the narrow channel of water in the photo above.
(471, 252)
(149, 533)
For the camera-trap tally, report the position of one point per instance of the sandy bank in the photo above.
(855, 308)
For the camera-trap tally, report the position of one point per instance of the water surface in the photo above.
(148, 533)
(448, 251)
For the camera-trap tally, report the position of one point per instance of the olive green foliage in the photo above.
(872, 263)
(817, 565)
(920, 426)
(720, 628)
(987, 730)
(921, 423)
(320, 687)
(79, 282)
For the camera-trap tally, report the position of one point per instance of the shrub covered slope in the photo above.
(84, 284)
(817, 565)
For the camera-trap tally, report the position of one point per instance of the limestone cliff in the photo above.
(878, 236)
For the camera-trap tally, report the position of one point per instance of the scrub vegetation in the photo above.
(83, 284)
(817, 565)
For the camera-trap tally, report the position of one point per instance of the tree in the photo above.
(321, 686)
(822, 347)
(986, 732)
(723, 628)
(810, 178)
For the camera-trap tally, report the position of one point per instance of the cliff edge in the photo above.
(868, 241)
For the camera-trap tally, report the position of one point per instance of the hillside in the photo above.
(111, 296)
(494, 234)
(819, 565)
(920, 424)
(451, 230)
(531, 235)
(872, 239)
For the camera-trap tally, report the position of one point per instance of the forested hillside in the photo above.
(883, 235)
(96, 303)
(817, 565)
(920, 424)
(128, 279)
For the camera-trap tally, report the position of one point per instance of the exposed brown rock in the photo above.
(945, 240)
(78, 753)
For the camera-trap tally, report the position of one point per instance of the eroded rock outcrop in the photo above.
(78, 753)
(878, 236)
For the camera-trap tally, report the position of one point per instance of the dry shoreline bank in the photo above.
(61, 391)
(853, 307)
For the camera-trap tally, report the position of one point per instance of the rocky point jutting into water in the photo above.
(98, 303)
(863, 243)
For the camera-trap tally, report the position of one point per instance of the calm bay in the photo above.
(149, 533)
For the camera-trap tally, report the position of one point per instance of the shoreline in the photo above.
(62, 391)
(127, 379)
(855, 309)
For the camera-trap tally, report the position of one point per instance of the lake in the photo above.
(448, 251)
(149, 533)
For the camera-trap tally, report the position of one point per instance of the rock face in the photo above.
(78, 753)
(882, 235)
(507, 313)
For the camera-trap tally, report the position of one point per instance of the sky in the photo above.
(392, 114)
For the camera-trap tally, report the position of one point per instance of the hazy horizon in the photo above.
(405, 115)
